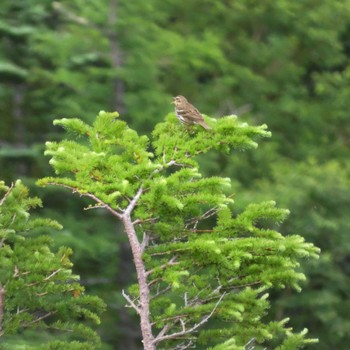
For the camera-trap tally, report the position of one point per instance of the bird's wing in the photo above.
(195, 114)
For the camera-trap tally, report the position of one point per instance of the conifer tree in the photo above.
(203, 274)
(37, 287)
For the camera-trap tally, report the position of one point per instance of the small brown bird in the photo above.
(187, 113)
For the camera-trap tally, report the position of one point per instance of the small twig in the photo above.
(140, 222)
(96, 206)
(163, 157)
(183, 325)
(53, 274)
(16, 273)
(160, 292)
(163, 330)
(171, 262)
(151, 283)
(173, 319)
(185, 346)
(170, 251)
(39, 319)
(190, 330)
(133, 202)
(209, 213)
(92, 196)
(6, 194)
(131, 303)
(145, 241)
(250, 344)
(127, 198)
(69, 14)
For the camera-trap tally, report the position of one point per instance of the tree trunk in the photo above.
(146, 328)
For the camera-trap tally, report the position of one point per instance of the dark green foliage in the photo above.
(323, 191)
(214, 281)
(39, 290)
(283, 63)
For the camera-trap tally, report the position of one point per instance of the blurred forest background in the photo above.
(283, 63)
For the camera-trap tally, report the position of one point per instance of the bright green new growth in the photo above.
(37, 287)
(207, 271)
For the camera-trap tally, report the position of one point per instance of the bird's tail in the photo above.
(204, 125)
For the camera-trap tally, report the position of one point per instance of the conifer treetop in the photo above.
(197, 263)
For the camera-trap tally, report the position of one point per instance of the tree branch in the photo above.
(6, 195)
(171, 262)
(53, 274)
(92, 196)
(39, 319)
(145, 241)
(132, 304)
(159, 338)
(206, 215)
(133, 202)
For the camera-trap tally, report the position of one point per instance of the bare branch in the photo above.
(39, 319)
(69, 14)
(190, 330)
(145, 241)
(183, 325)
(167, 165)
(92, 196)
(163, 330)
(206, 215)
(131, 303)
(185, 346)
(140, 222)
(16, 273)
(160, 292)
(53, 274)
(96, 206)
(133, 202)
(171, 262)
(6, 194)
(250, 344)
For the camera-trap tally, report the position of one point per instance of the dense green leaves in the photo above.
(38, 288)
(281, 63)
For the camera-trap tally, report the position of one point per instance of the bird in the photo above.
(187, 113)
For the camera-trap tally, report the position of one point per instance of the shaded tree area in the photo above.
(282, 63)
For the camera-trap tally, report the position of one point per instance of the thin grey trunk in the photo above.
(146, 327)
